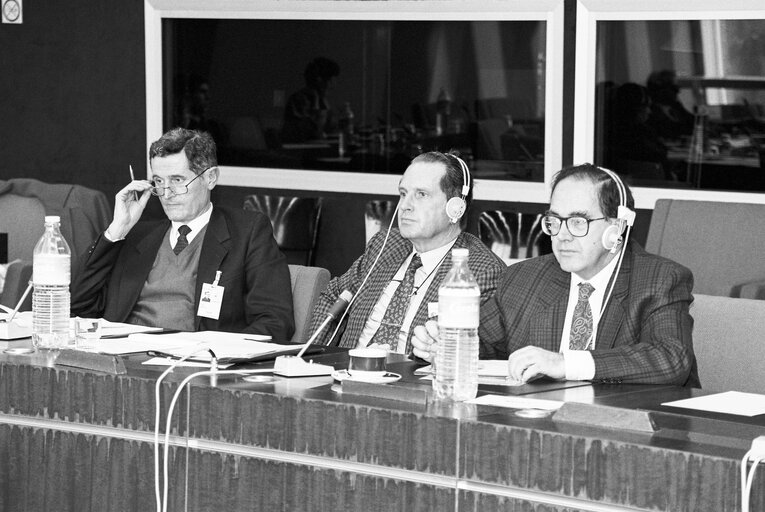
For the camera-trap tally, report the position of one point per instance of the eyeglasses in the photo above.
(577, 226)
(176, 190)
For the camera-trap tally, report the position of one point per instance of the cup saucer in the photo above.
(341, 375)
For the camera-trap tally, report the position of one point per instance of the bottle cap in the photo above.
(52, 218)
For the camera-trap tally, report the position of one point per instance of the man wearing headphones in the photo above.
(395, 282)
(565, 316)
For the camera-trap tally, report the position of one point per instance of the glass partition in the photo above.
(681, 103)
(361, 95)
(672, 96)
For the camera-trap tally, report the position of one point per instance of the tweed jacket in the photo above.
(644, 335)
(257, 294)
(484, 264)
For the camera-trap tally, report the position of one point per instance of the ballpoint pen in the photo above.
(132, 178)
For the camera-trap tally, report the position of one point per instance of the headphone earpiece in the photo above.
(612, 237)
(456, 206)
(455, 209)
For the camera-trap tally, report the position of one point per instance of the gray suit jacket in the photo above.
(644, 335)
(485, 266)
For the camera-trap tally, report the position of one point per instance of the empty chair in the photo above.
(307, 284)
(24, 202)
(295, 221)
(513, 235)
(729, 342)
(722, 244)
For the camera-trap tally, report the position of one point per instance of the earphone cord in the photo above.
(369, 272)
(607, 297)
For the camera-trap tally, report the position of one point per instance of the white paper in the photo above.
(730, 402)
(167, 361)
(517, 402)
(120, 329)
(492, 372)
(225, 345)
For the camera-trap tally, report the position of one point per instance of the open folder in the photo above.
(228, 347)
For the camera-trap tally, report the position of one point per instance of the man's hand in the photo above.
(129, 204)
(529, 362)
(425, 340)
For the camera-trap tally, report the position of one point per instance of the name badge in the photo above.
(432, 309)
(211, 299)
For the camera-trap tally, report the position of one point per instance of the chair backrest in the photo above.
(722, 243)
(307, 284)
(295, 221)
(23, 219)
(729, 342)
(17, 276)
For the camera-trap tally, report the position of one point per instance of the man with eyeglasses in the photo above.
(154, 273)
(547, 316)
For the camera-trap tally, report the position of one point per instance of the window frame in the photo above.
(588, 14)
(549, 11)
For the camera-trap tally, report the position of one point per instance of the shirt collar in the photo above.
(434, 257)
(197, 224)
(600, 280)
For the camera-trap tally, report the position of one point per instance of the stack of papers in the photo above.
(227, 347)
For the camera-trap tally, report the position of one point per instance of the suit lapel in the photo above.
(614, 314)
(546, 326)
(215, 247)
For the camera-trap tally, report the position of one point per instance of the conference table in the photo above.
(77, 439)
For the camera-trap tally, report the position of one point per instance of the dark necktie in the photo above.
(182, 242)
(387, 333)
(581, 325)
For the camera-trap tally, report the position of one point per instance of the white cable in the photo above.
(157, 494)
(165, 470)
(744, 495)
(369, 272)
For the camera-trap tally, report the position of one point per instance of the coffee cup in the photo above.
(367, 362)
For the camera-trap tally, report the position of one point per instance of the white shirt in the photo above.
(579, 363)
(195, 225)
(422, 279)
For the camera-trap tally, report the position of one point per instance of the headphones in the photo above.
(456, 206)
(612, 236)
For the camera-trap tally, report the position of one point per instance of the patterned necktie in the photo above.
(581, 325)
(182, 242)
(387, 333)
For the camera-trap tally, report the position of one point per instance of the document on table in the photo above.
(226, 346)
(490, 371)
(121, 330)
(730, 402)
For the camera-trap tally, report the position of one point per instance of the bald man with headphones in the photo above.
(395, 282)
(599, 308)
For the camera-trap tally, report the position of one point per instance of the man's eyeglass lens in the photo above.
(577, 226)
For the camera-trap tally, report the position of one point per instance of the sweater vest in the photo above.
(167, 298)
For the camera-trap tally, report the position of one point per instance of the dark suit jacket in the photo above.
(257, 296)
(644, 335)
(485, 266)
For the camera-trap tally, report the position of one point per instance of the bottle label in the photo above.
(459, 308)
(51, 269)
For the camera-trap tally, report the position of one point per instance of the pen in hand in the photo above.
(132, 178)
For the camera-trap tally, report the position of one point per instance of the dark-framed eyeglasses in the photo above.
(578, 226)
(176, 190)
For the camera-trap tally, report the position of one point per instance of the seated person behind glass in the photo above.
(402, 289)
(154, 273)
(546, 317)
(308, 115)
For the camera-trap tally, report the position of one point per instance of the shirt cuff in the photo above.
(579, 365)
(111, 238)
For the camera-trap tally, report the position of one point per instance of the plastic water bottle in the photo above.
(50, 299)
(459, 302)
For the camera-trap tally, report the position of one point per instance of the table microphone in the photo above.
(294, 366)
